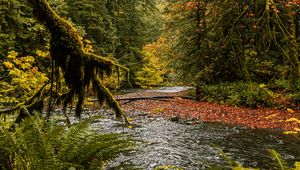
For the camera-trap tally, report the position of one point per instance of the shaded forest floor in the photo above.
(209, 112)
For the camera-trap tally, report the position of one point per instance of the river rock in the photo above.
(175, 119)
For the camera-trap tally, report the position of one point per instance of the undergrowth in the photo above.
(37, 144)
(238, 94)
(279, 162)
(253, 95)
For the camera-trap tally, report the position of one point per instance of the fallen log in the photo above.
(131, 99)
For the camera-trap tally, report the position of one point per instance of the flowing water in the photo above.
(190, 146)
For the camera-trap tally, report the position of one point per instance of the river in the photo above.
(190, 146)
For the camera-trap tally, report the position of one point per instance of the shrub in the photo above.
(37, 144)
(22, 78)
(239, 93)
(295, 98)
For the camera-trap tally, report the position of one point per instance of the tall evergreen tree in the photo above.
(188, 30)
(119, 28)
(18, 30)
(235, 40)
(94, 17)
(128, 18)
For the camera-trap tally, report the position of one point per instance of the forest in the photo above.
(150, 84)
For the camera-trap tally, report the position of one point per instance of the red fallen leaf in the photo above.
(252, 118)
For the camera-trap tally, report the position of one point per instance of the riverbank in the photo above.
(180, 108)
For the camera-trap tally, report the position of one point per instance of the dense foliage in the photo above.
(154, 70)
(23, 78)
(215, 42)
(233, 41)
(116, 29)
(236, 52)
(37, 144)
(29, 76)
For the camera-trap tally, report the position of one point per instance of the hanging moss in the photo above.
(80, 68)
(33, 104)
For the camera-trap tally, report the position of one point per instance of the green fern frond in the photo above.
(280, 162)
(37, 144)
(90, 149)
(231, 162)
(70, 139)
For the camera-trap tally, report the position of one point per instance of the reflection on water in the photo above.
(190, 146)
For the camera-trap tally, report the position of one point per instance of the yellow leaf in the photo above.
(17, 61)
(12, 54)
(158, 110)
(262, 85)
(8, 64)
(242, 168)
(271, 116)
(293, 119)
(130, 127)
(130, 119)
(26, 66)
(297, 129)
(41, 53)
(290, 110)
(290, 132)
(28, 59)
(297, 165)
(87, 41)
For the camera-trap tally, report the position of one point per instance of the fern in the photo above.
(233, 164)
(37, 144)
(280, 162)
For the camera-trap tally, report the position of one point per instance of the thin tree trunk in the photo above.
(293, 50)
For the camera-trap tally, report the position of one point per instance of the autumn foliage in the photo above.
(155, 65)
(23, 77)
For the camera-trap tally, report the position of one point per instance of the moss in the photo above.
(103, 91)
(80, 68)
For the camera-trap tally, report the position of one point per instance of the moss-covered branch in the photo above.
(80, 68)
(103, 91)
(34, 103)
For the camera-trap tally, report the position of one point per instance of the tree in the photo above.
(80, 68)
(17, 27)
(19, 30)
(154, 71)
(129, 20)
(118, 28)
(23, 80)
(217, 41)
(96, 20)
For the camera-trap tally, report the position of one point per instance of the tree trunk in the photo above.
(293, 50)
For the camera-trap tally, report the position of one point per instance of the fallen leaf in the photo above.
(271, 116)
(290, 110)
